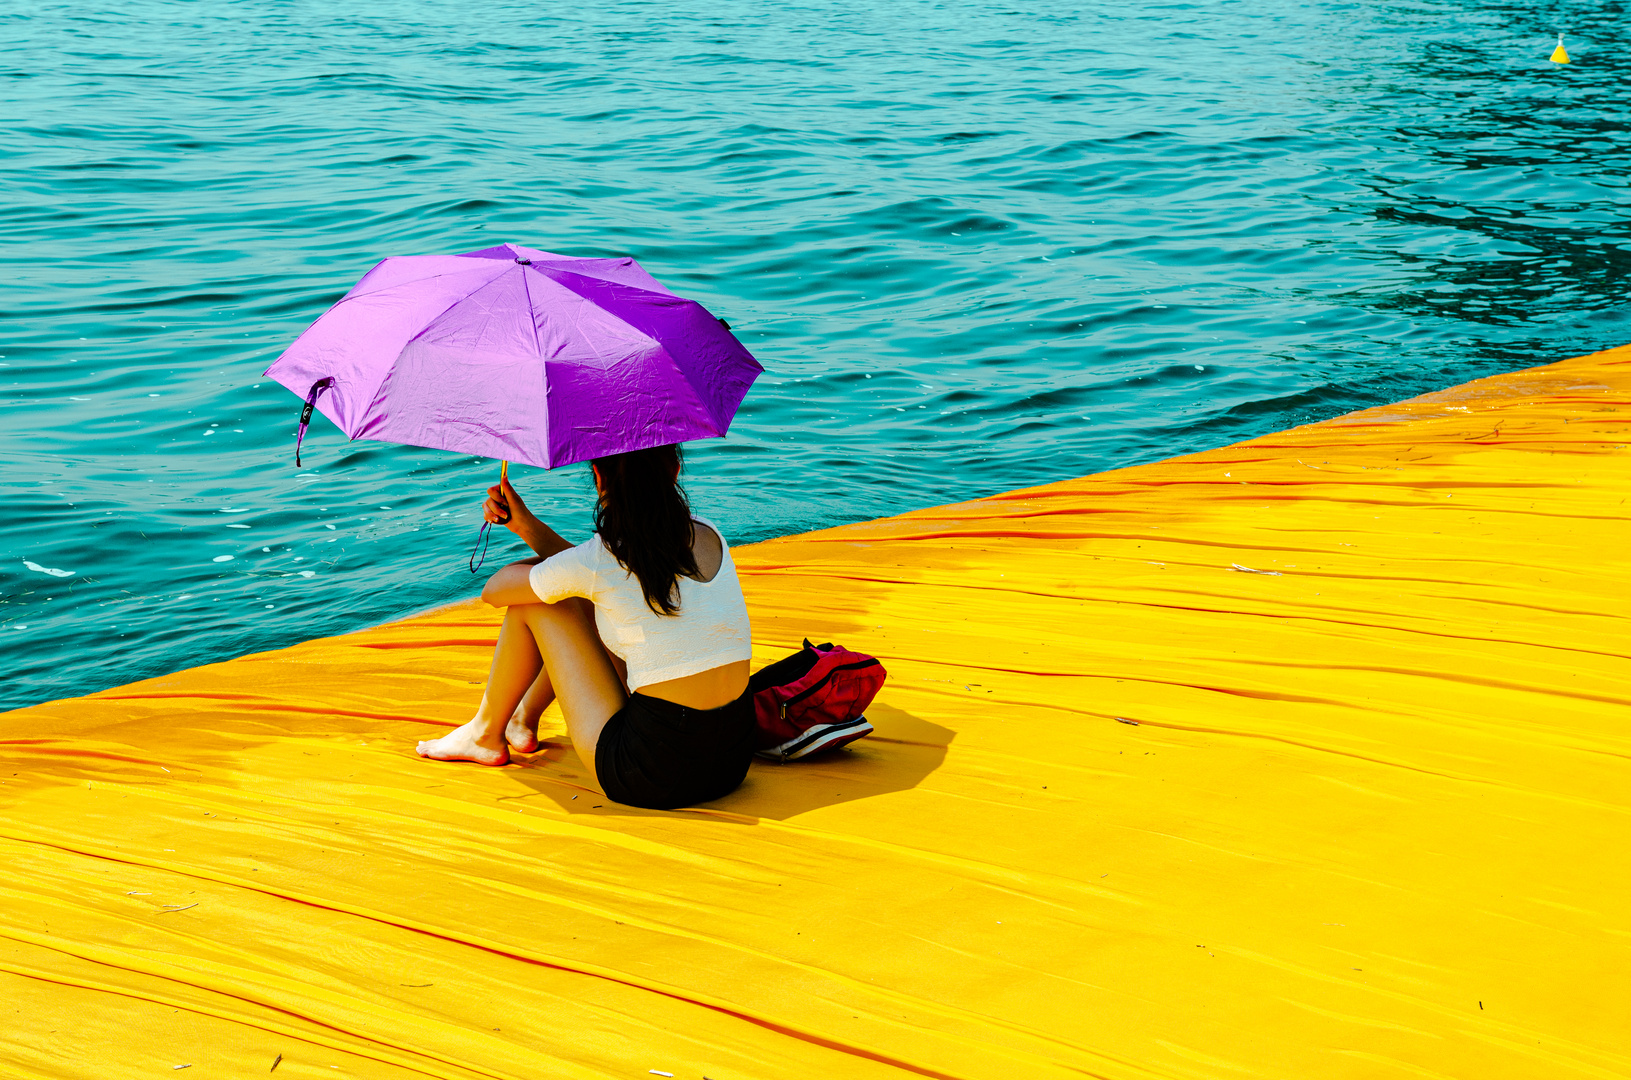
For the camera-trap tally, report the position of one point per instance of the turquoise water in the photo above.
(977, 246)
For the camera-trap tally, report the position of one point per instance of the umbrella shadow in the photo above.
(902, 751)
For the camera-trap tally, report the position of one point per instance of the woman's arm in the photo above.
(504, 507)
(511, 585)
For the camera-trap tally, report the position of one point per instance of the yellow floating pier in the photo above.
(1305, 758)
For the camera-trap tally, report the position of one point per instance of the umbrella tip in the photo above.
(523, 262)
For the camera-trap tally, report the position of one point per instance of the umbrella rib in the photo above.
(537, 342)
(420, 333)
(700, 392)
(538, 345)
(350, 296)
(555, 275)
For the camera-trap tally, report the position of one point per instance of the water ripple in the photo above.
(976, 248)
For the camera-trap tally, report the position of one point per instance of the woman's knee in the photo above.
(572, 611)
(539, 608)
(524, 613)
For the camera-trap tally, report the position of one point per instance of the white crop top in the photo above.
(710, 628)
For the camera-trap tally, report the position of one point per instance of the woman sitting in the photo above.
(641, 632)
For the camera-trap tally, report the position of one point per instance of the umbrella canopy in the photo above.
(521, 355)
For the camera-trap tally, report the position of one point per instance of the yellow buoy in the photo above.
(1559, 54)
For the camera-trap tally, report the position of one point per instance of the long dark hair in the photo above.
(644, 519)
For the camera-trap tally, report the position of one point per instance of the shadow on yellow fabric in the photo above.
(902, 751)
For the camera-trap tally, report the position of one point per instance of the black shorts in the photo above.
(659, 755)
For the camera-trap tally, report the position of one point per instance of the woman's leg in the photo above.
(516, 666)
(522, 730)
(560, 641)
(586, 678)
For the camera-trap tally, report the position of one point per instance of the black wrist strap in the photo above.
(483, 538)
(312, 395)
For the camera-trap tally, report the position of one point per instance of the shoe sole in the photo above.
(819, 738)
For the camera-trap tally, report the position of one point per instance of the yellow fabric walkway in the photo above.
(1303, 758)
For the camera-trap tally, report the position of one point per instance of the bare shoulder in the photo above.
(708, 549)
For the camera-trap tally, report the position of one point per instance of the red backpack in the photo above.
(813, 700)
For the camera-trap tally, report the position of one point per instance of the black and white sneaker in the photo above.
(819, 738)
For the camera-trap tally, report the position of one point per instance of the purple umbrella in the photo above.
(520, 355)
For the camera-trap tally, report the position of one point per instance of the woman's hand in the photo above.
(504, 507)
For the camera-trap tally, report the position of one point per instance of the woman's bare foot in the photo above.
(521, 734)
(462, 744)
